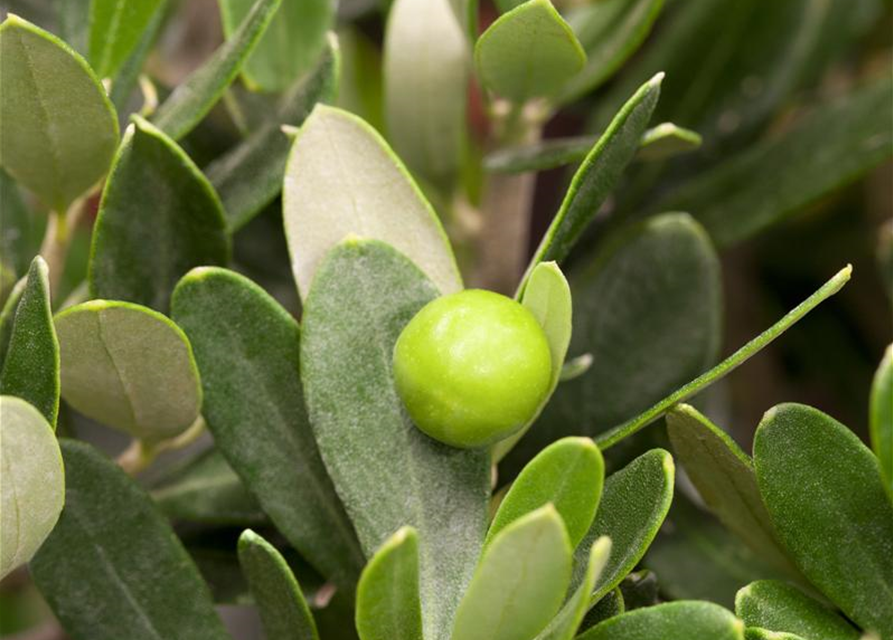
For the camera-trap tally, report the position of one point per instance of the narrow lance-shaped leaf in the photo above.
(294, 39)
(567, 474)
(388, 594)
(426, 67)
(362, 297)
(343, 179)
(548, 298)
(31, 359)
(89, 573)
(825, 493)
(129, 368)
(520, 581)
(661, 337)
(565, 624)
(780, 607)
(528, 52)
(634, 503)
(824, 151)
(250, 175)
(597, 176)
(610, 31)
(681, 620)
(57, 126)
(116, 27)
(657, 143)
(881, 415)
(247, 348)
(724, 478)
(283, 609)
(127, 78)
(194, 97)
(8, 316)
(158, 218)
(33, 488)
(615, 435)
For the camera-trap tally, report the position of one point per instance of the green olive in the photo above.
(472, 368)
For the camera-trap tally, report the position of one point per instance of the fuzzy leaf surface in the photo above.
(881, 416)
(680, 620)
(116, 27)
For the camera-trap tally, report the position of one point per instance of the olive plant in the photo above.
(296, 283)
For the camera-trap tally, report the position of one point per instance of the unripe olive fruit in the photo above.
(472, 368)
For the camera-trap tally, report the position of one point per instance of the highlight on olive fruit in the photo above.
(472, 368)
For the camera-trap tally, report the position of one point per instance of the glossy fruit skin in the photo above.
(472, 368)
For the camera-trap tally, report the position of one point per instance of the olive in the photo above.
(472, 368)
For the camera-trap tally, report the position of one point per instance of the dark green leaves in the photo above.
(289, 45)
(194, 97)
(128, 367)
(824, 491)
(58, 128)
(599, 173)
(363, 295)
(780, 607)
(116, 27)
(246, 346)
(569, 475)
(520, 581)
(881, 415)
(249, 176)
(343, 179)
(682, 620)
(33, 487)
(113, 568)
(158, 218)
(634, 503)
(528, 52)
(31, 358)
(388, 594)
(724, 477)
(609, 31)
(278, 595)
(830, 148)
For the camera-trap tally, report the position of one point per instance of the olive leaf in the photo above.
(57, 126)
(664, 335)
(33, 487)
(128, 367)
(610, 32)
(388, 593)
(22, 232)
(426, 67)
(724, 478)
(608, 607)
(881, 418)
(757, 633)
(249, 176)
(194, 96)
(628, 428)
(566, 623)
(8, 316)
(295, 38)
(657, 143)
(31, 355)
(158, 218)
(830, 510)
(502, 601)
(597, 176)
(634, 503)
(548, 298)
(528, 52)
(247, 348)
(833, 146)
(362, 297)
(276, 591)
(567, 474)
(116, 27)
(207, 491)
(89, 573)
(127, 78)
(774, 605)
(680, 620)
(343, 179)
